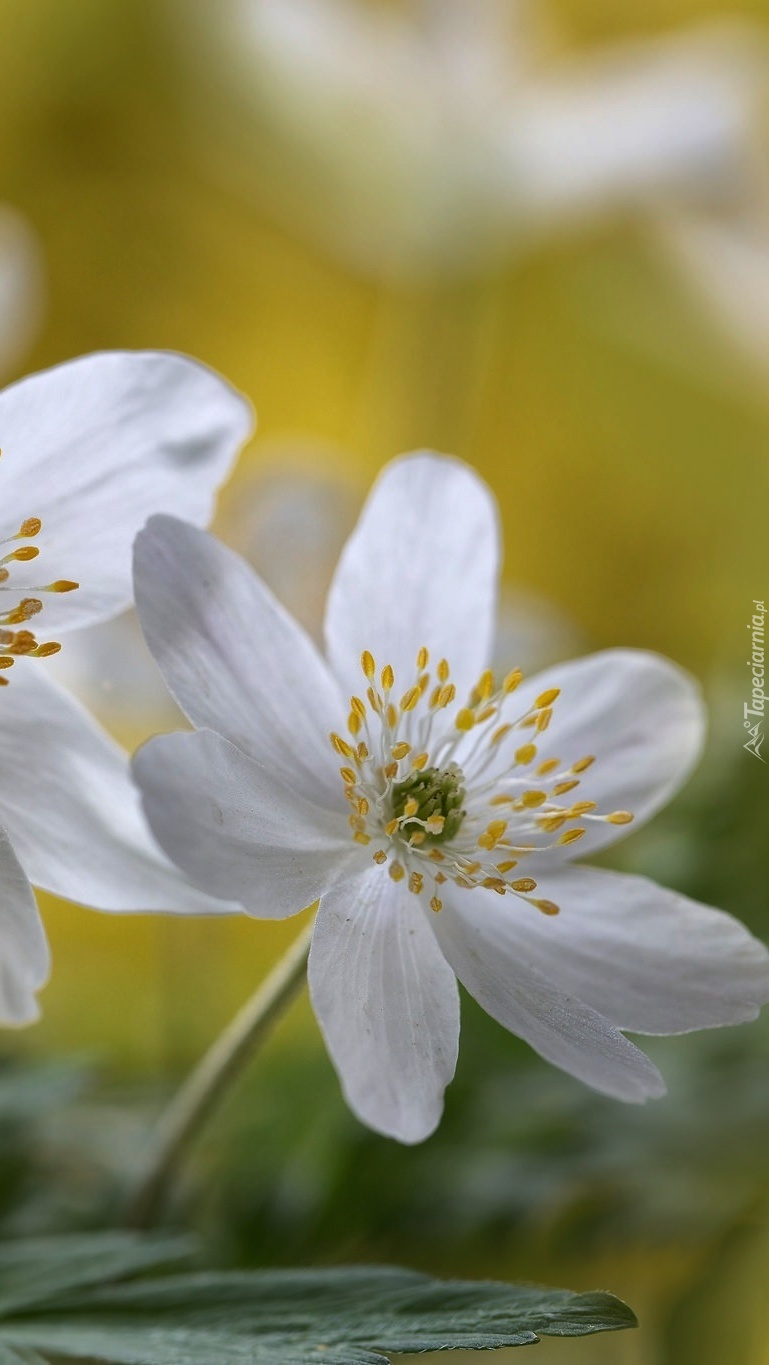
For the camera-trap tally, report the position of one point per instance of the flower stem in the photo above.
(194, 1102)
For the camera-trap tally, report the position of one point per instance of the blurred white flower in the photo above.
(433, 809)
(89, 450)
(24, 957)
(437, 135)
(21, 287)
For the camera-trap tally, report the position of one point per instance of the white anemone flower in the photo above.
(441, 134)
(432, 808)
(21, 286)
(89, 450)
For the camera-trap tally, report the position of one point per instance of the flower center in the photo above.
(14, 642)
(460, 793)
(431, 800)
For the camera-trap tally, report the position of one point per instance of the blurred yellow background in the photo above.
(622, 424)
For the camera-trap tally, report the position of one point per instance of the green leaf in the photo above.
(8, 1356)
(35, 1270)
(340, 1316)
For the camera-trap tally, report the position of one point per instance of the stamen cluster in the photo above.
(15, 643)
(441, 791)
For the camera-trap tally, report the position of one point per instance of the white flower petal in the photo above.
(477, 932)
(387, 1005)
(420, 568)
(724, 258)
(639, 715)
(24, 957)
(636, 121)
(71, 809)
(21, 286)
(92, 448)
(236, 829)
(234, 659)
(649, 959)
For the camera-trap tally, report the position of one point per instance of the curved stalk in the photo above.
(192, 1105)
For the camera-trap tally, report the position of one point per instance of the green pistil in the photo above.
(437, 791)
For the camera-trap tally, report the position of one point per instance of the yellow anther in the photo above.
(363, 806)
(392, 716)
(410, 699)
(547, 907)
(549, 766)
(358, 706)
(380, 856)
(561, 788)
(485, 714)
(526, 753)
(465, 720)
(416, 882)
(513, 679)
(400, 751)
(439, 878)
(388, 677)
(45, 651)
(6, 662)
(342, 747)
(423, 683)
(436, 904)
(390, 771)
(353, 722)
(619, 817)
(349, 776)
(396, 872)
(411, 807)
(390, 828)
(443, 671)
(374, 700)
(24, 552)
(547, 698)
(492, 834)
(367, 664)
(544, 718)
(470, 869)
(583, 808)
(446, 695)
(30, 527)
(434, 824)
(501, 800)
(551, 823)
(61, 585)
(485, 685)
(499, 734)
(570, 836)
(423, 658)
(420, 761)
(361, 753)
(531, 799)
(524, 884)
(418, 837)
(361, 838)
(495, 884)
(435, 696)
(507, 866)
(583, 764)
